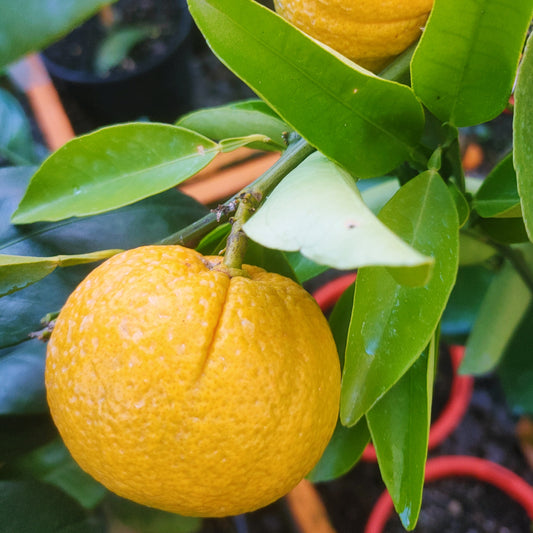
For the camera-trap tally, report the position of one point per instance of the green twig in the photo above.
(190, 236)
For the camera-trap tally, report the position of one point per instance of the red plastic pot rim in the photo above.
(460, 466)
(461, 387)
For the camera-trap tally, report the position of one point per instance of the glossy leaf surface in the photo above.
(502, 310)
(393, 323)
(399, 425)
(17, 272)
(318, 210)
(498, 194)
(111, 168)
(522, 135)
(364, 123)
(31, 25)
(465, 65)
(238, 120)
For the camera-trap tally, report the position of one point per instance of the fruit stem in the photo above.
(190, 236)
(236, 243)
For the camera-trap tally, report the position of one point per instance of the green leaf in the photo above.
(215, 241)
(473, 251)
(17, 272)
(238, 120)
(465, 301)
(22, 388)
(148, 520)
(504, 230)
(141, 223)
(21, 434)
(498, 194)
(461, 204)
(522, 135)
(53, 464)
(116, 46)
(347, 444)
(342, 453)
(502, 310)
(364, 123)
(27, 506)
(33, 24)
(399, 425)
(515, 369)
(465, 64)
(16, 142)
(318, 210)
(304, 268)
(394, 323)
(111, 168)
(269, 259)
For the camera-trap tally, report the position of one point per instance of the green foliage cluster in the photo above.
(370, 179)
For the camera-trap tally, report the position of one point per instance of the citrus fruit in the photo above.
(369, 32)
(182, 388)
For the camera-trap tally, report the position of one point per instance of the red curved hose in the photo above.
(460, 466)
(461, 387)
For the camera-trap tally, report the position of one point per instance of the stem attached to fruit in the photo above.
(236, 243)
(190, 236)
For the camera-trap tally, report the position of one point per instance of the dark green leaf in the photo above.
(504, 230)
(147, 520)
(505, 303)
(365, 123)
(33, 24)
(515, 369)
(16, 142)
(53, 464)
(522, 135)
(22, 378)
(339, 320)
(498, 194)
(111, 168)
(399, 425)
(465, 300)
(269, 259)
(304, 268)
(343, 451)
(465, 64)
(20, 434)
(29, 506)
(238, 120)
(394, 323)
(215, 241)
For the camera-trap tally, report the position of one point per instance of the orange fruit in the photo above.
(369, 32)
(185, 389)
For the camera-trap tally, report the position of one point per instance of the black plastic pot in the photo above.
(159, 88)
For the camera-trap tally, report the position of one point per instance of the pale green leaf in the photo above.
(318, 210)
(111, 168)
(17, 272)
